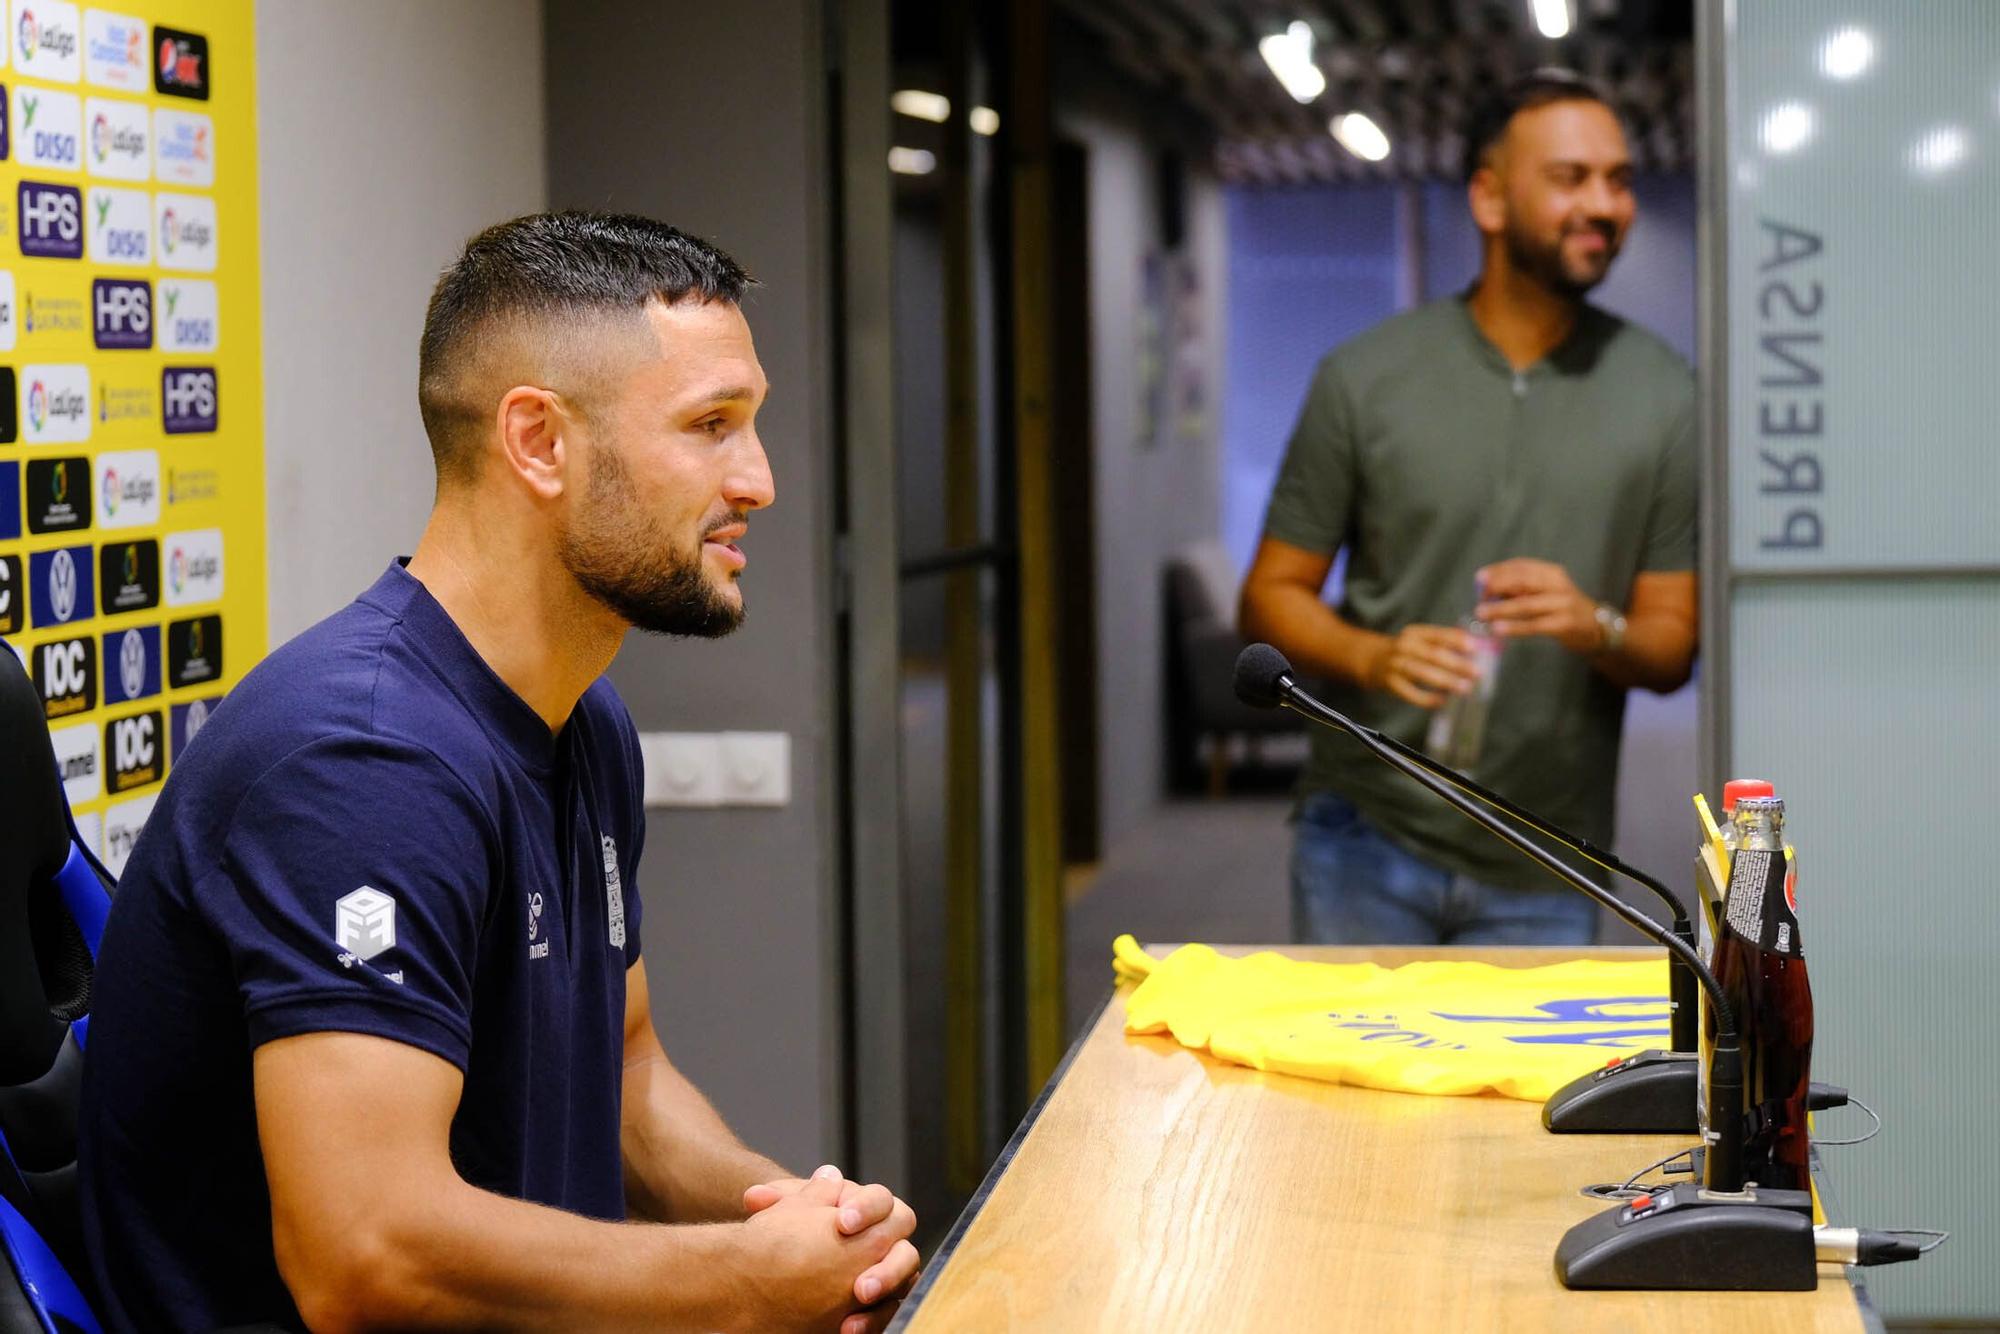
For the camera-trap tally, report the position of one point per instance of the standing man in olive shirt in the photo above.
(1515, 455)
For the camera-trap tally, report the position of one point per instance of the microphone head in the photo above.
(1261, 675)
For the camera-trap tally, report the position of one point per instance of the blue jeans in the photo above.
(1352, 886)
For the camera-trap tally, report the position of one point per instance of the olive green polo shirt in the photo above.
(1426, 456)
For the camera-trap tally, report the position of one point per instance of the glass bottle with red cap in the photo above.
(1760, 962)
(1709, 894)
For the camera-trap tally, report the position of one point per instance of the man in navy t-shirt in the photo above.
(370, 1041)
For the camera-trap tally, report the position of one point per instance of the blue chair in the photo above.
(54, 895)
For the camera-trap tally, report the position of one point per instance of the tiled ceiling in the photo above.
(1415, 67)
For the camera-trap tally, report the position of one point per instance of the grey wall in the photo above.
(371, 174)
(1152, 496)
(710, 118)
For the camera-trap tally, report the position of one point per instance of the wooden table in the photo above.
(1155, 1188)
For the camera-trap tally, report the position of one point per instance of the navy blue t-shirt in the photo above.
(373, 834)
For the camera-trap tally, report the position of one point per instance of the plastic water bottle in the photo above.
(1458, 728)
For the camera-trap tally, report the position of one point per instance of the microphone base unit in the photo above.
(1647, 1093)
(1687, 1238)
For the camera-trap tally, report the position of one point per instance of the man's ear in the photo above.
(1486, 196)
(532, 426)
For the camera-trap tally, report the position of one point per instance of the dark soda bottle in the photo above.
(1761, 965)
(1710, 889)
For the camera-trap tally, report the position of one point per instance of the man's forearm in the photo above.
(460, 1257)
(1316, 638)
(1657, 655)
(682, 1163)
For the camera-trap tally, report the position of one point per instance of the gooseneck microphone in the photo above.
(1264, 681)
(1720, 1234)
(1648, 1092)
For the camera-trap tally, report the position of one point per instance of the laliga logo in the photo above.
(110, 491)
(38, 405)
(167, 229)
(179, 569)
(98, 129)
(31, 34)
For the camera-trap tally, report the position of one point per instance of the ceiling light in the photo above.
(1552, 17)
(985, 120)
(1290, 56)
(933, 107)
(1939, 150)
(1846, 53)
(912, 161)
(1360, 136)
(1785, 127)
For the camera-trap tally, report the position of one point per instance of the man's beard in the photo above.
(623, 559)
(1544, 262)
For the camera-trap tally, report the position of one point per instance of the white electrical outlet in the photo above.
(717, 768)
(682, 768)
(756, 768)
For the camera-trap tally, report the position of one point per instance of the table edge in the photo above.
(970, 1213)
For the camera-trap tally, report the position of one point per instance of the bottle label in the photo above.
(1759, 904)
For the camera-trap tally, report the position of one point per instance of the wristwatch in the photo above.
(1610, 628)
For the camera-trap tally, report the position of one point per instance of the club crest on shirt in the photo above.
(614, 893)
(364, 922)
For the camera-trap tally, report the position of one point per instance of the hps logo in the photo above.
(122, 311)
(51, 220)
(188, 399)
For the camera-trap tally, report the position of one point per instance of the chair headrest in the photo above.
(34, 843)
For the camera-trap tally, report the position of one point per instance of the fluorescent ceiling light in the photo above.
(1360, 136)
(1846, 53)
(1785, 127)
(912, 161)
(1290, 56)
(1939, 150)
(985, 120)
(1552, 17)
(933, 107)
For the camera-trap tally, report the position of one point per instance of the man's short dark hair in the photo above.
(1487, 125)
(550, 268)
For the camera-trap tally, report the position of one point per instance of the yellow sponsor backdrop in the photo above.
(131, 404)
